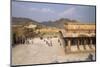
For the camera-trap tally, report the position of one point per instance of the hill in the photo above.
(59, 23)
(24, 21)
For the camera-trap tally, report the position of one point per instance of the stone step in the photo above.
(81, 47)
(87, 47)
(93, 47)
(74, 48)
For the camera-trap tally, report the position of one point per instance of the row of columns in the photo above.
(69, 43)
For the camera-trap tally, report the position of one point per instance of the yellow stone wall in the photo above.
(81, 26)
(75, 29)
(49, 30)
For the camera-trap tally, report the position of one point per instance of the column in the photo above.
(78, 42)
(69, 45)
(90, 45)
(84, 45)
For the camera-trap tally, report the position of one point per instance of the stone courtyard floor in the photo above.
(41, 53)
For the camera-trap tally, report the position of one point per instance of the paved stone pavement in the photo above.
(41, 52)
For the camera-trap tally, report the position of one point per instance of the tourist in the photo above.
(50, 43)
(59, 42)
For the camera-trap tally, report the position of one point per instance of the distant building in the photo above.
(31, 26)
(49, 32)
(80, 34)
(79, 29)
(16, 25)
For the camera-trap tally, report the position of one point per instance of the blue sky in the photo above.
(45, 12)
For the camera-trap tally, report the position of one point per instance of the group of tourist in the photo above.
(48, 40)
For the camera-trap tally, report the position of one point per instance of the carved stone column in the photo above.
(78, 42)
(84, 45)
(69, 45)
(90, 45)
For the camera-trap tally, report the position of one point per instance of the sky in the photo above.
(51, 12)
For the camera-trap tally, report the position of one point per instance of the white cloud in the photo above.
(47, 10)
(69, 11)
(33, 9)
(43, 10)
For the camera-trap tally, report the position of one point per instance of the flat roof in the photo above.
(81, 23)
